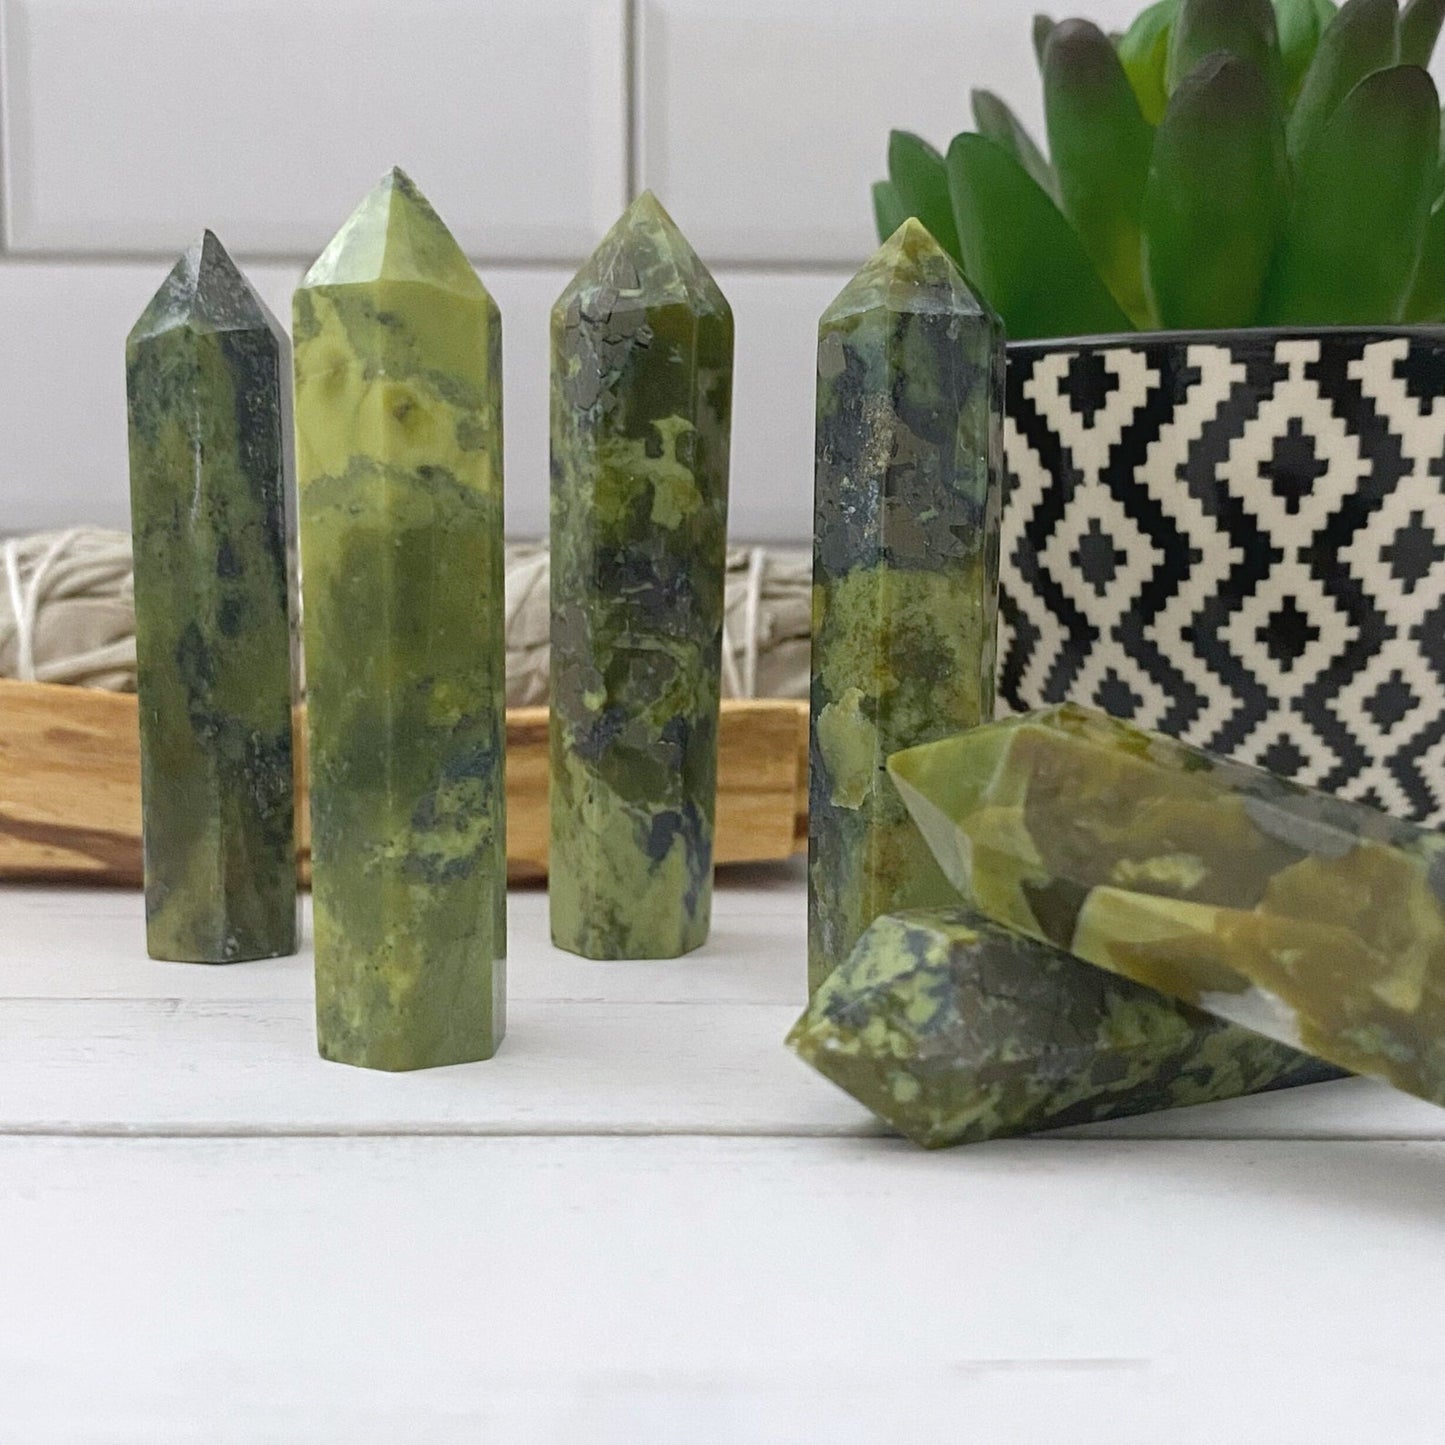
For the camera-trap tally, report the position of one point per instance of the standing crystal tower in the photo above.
(642, 353)
(905, 570)
(399, 453)
(209, 463)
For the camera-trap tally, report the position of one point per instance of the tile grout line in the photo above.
(17, 260)
(5, 157)
(630, 98)
(229, 1003)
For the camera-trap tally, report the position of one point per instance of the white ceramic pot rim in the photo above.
(1227, 335)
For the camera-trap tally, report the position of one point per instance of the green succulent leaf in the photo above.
(1360, 207)
(1427, 294)
(1361, 39)
(1143, 51)
(1440, 169)
(1213, 203)
(996, 120)
(1420, 22)
(1101, 145)
(1244, 28)
(889, 212)
(1018, 249)
(1300, 27)
(1043, 27)
(916, 172)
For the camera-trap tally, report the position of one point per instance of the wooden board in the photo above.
(70, 785)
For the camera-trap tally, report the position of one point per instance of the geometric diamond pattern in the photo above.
(1238, 539)
(1412, 552)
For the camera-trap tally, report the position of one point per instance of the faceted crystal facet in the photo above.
(399, 453)
(642, 352)
(905, 570)
(210, 441)
(954, 1029)
(1311, 920)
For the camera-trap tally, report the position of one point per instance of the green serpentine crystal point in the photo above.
(953, 1029)
(399, 453)
(1314, 922)
(210, 440)
(905, 570)
(642, 355)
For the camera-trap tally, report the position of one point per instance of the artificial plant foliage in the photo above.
(1212, 206)
(1243, 28)
(1370, 174)
(996, 120)
(1221, 163)
(1364, 39)
(1022, 254)
(1301, 23)
(1102, 144)
(1143, 50)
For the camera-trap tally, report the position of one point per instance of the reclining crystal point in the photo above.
(1316, 922)
(954, 1029)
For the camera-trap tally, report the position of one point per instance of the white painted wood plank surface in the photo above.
(644, 1221)
(90, 943)
(249, 1066)
(719, 1291)
(96, 1038)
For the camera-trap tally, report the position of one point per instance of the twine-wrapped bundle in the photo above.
(67, 615)
(67, 611)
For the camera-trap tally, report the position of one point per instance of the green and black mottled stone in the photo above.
(642, 356)
(905, 570)
(399, 455)
(1311, 920)
(954, 1029)
(210, 437)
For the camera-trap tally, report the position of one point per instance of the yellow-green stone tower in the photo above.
(209, 403)
(1309, 920)
(905, 570)
(642, 356)
(399, 461)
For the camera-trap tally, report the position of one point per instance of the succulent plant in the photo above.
(1222, 163)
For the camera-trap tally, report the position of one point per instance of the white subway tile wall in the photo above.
(768, 119)
(62, 385)
(128, 122)
(128, 125)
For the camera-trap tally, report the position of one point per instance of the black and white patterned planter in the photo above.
(1238, 538)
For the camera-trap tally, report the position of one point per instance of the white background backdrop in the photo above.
(128, 125)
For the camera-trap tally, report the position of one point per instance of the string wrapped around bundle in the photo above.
(67, 615)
